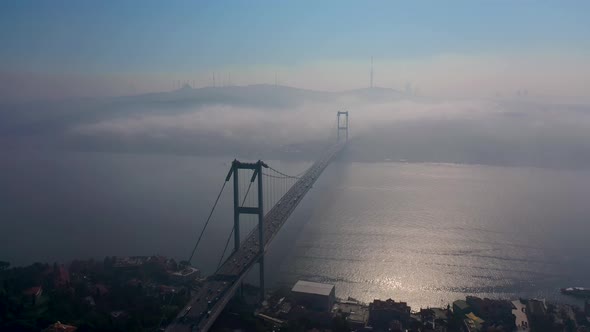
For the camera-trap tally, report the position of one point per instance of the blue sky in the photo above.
(154, 37)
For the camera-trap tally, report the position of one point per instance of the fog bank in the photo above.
(273, 121)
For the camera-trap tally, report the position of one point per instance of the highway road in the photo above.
(210, 297)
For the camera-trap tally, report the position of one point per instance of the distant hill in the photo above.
(43, 116)
(260, 95)
(286, 122)
(55, 123)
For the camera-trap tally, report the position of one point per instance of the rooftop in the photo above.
(519, 312)
(33, 290)
(356, 312)
(536, 307)
(186, 271)
(59, 327)
(389, 304)
(461, 304)
(309, 287)
(474, 318)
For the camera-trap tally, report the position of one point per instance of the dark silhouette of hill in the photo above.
(39, 117)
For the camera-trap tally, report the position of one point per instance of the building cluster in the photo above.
(59, 327)
(117, 293)
(520, 315)
(133, 262)
(316, 305)
(120, 294)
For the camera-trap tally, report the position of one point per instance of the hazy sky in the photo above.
(55, 48)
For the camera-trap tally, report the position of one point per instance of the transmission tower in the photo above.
(371, 84)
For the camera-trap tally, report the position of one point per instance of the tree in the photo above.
(340, 324)
(4, 265)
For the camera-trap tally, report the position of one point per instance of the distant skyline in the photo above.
(55, 49)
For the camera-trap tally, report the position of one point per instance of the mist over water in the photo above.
(280, 122)
(432, 200)
(78, 205)
(465, 171)
(419, 232)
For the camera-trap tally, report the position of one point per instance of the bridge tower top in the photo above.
(240, 209)
(343, 124)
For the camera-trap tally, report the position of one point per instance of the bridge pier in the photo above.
(260, 230)
(261, 271)
(236, 206)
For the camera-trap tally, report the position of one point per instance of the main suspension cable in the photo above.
(283, 174)
(207, 222)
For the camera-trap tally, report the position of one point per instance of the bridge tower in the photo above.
(343, 125)
(257, 210)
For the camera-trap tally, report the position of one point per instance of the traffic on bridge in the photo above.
(210, 297)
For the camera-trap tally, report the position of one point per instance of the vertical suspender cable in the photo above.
(232, 231)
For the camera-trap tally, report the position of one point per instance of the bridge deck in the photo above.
(208, 301)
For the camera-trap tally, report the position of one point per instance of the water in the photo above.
(61, 206)
(432, 233)
(422, 233)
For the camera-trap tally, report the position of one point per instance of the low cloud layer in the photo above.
(516, 132)
(289, 123)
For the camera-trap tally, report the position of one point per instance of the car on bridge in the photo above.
(187, 310)
(218, 287)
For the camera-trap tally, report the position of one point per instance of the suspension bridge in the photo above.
(271, 196)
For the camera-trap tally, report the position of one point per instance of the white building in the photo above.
(187, 274)
(314, 295)
(520, 318)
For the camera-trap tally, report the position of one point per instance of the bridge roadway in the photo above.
(209, 299)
